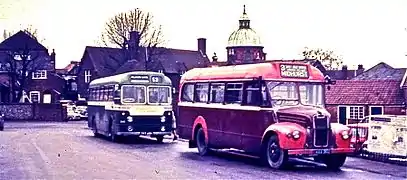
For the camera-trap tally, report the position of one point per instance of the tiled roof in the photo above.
(21, 40)
(105, 60)
(358, 92)
(108, 61)
(382, 71)
(69, 69)
(404, 81)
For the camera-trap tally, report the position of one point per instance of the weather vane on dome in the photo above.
(244, 9)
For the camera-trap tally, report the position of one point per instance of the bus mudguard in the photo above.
(342, 135)
(200, 121)
(285, 132)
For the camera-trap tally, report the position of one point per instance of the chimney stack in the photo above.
(52, 56)
(360, 69)
(134, 42)
(202, 45)
(344, 72)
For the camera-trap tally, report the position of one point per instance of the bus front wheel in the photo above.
(274, 156)
(112, 135)
(201, 143)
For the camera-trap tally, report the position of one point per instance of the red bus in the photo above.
(271, 110)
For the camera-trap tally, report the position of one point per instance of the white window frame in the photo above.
(42, 74)
(88, 76)
(370, 109)
(160, 71)
(17, 57)
(35, 92)
(358, 118)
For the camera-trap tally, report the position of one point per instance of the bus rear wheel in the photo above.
(274, 156)
(201, 143)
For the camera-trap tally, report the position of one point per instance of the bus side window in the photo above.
(217, 93)
(201, 92)
(110, 93)
(253, 96)
(187, 93)
(106, 94)
(98, 94)
(234, 93)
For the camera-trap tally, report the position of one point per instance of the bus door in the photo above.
(255, 120)
(232, 121)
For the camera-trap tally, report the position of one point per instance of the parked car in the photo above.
(1, 122)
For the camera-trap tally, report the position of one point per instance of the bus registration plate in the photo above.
(322, 151)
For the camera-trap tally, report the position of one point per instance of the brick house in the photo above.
(42, 84)
(379, 90)
(99, 62)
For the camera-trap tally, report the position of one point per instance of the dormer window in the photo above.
(40, 74)
(160, 71)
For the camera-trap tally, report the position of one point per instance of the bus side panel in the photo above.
(185, 121)
(96, 115)
(215, 119)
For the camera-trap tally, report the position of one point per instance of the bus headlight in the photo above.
(162, 118)
(345, 135)
(129, 119)
(296, 134)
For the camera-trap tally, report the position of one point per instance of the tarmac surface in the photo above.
(39, 150)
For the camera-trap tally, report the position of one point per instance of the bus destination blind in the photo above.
(293, 71)
(139, 78)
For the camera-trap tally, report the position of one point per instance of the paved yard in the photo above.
(69, 151)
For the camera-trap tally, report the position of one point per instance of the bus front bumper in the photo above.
(321, 151)
(143, 133)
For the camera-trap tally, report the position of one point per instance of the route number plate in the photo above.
(322, 151)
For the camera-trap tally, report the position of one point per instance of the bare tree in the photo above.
(21, 60)
(328, 58)
(117, 33)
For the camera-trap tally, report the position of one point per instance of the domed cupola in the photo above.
(244, 45)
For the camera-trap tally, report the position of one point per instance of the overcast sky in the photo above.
(362, 31)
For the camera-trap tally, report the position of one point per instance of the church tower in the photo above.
(244, 45)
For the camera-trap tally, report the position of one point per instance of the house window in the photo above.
(160, 71)
(356, 112)
(18, 57)
(41, 74)
(35, 96)
(376, 110)
(87, 76)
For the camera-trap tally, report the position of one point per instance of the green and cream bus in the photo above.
(134, 103)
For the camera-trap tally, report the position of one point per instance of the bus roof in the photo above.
(125, 78)
(279, 71)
